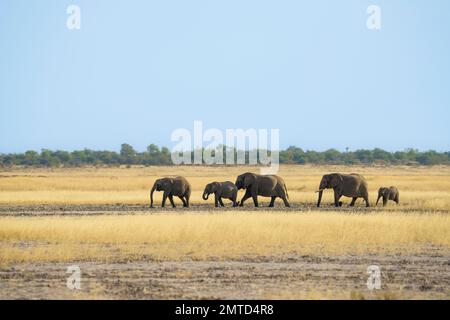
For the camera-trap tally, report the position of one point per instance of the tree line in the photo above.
(155, 155)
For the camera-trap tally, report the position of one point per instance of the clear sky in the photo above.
(137, 70)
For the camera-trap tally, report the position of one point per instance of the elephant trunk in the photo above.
(205, 195)
(151, 195)
(320, 198)
(378, 200)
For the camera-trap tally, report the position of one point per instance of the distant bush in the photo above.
(161, 156)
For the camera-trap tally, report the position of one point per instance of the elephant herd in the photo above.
(347, 185)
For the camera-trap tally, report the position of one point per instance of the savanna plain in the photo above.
(99, 219)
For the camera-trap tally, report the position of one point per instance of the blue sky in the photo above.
(137, 70)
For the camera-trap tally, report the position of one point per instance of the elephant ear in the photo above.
(336, 179)
(249, 179)
(323, 182)
(214, 186)
(167, 182)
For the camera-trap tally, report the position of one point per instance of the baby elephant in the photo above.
(177, 186)
(221, 190)
(390, 193)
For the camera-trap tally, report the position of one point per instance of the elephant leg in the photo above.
(233, 199)
(283, 195)
(182, 199)
(171, 201)
(187, 200)
(163, 204)
(272, 201)
(245, 197)
(221, 202)
(384, 201)
(286, 202)
(366, 199)
(353, 201)
(254, 193)
(216, 200)
(255, 200)
(337, 196)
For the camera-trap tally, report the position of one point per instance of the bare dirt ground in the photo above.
(288, 277)
(117, 209)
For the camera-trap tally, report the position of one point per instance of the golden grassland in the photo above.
(223, 236)
(216, 234)
(420, 187)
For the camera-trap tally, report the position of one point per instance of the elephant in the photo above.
(177, 186)
(390, 193)
(262, 185)
(348, 185)
(221, 190)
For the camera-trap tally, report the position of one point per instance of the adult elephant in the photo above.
(177, 186)
(262, 185)
(348, 185)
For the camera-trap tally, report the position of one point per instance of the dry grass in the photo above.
(218, 235)
(223, 236)
(420, 187)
